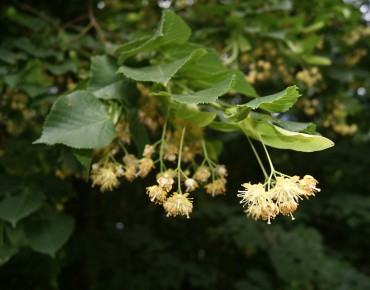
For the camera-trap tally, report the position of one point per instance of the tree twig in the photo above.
(75, 20)
(94, 23)
(28, 8)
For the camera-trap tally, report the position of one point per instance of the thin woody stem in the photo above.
(94, 23)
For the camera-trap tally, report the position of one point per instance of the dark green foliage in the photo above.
(57, 232)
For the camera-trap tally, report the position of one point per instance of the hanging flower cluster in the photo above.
(283, 197)
(184, 166)
(173, 147)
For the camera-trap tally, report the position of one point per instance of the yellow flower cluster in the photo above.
(106, 177)
(181, 204)
(158, 193)
(309, 76)
(178, 204)
(283, 197)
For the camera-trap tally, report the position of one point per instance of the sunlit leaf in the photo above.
(276, 103)
(277, 137)
(205, 96)
(160, 73)
(192, 115)
(171, 29)
(316, 60)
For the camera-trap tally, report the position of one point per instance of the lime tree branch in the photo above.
(93, 23)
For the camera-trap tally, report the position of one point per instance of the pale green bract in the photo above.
(277, 137)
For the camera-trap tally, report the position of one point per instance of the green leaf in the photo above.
(242, 86)
(32, 78)
(84, 156)
(238, 113)
(204, 96)
(14, 208)
(208, 70)
(224, 126)
(17, 236)
(316, 60)
(49, 233)
(276, 103)
(308, 44)
(172, 29)
(104, 82)
(314, 27)
(78, 120)
(6, 252)
(62, 68)
(308, 128)
(214, 148)
(192, 115)
(277, 137)
(137, 130)
(7, 56)
(160, 73)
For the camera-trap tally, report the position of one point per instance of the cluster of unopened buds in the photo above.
(282, 196)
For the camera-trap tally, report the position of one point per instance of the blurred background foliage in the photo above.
(67, 235)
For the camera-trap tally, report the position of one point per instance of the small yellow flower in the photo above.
(288, 207)
(130, 173)
(259, 202)
(119, 170)
(287, 193)
(130, 160)
(264, 209)
(252, 193)
(188, 154)
(157, 194)
(105, 177)
(221, 171)
(308, 185)
(191, 184)
(270, 210)
(168, 173)
(171, 152)
(202, 174)
(178, 204)
(123, 132)
(216, 187)
(286, 189)
(145, 166)
(148, 150)
(165, 182)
